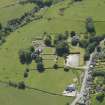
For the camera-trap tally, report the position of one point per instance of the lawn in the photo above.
(11, 96)
(51, 80)
(13, 11)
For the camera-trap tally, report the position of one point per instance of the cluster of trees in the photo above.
(99, 73)
(13, 24)
(100, 97)
(40, 65)
(59, 42)
(61, 45)
(20, 85)
(24, 19)
(25, 56)
(40, 3)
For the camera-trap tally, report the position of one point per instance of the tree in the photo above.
(32, 49)
(25, 74)
(22, 56)
(91, 47)
(48, 40)
(62, 48)
(0, 26)
(83, 43)
(100, 97)
(25, 56)
(90, 25)
(86, 56)
(75, 40)
(73, 33)
(55, 66)
(40, 67)
(21, 85)
(28, 57)
(60, 37)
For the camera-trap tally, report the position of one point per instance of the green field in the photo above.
(8, 11)
(11, 96)
(51, 80)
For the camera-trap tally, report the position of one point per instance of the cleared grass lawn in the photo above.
(11, 96)
(15, 11)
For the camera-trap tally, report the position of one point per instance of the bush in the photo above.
(40, 67)
(73, 33)
(83, 43)
(21, 85)
(75, 40)
(55, 66)
(66, 68)
(60, 37)
(86, 56)
(38, 59)
(90, 25)
(100, 97)
(48, 40)
(62, 48)
(25, 74)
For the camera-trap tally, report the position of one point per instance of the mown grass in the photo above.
(50, 80)
(11, 96)
(13, 11)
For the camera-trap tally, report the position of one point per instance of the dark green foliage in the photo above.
(73, 33)
(75, 40)
(22, 57)
(55, 66)
(62, 48)
(98, 49)
(25, 74)
(31, 49)
(86, 56)
(83, 43)
(100, 97)
(0, 26)
(48, 40)
(90, 25)
(66, 68)
(25, 56)
(40, 67)
(38, 59)
(91, 47)
(60, 37)
(99, 73)
(21, 85)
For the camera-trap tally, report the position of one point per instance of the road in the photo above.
(83, 87)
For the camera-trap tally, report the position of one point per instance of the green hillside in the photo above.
(73, 18)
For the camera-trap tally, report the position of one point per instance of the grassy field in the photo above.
(11, 96)
(8, 11)
(51, 80)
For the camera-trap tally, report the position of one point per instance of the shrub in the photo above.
(73, 33)
(55, 66)
(62, 48)
(25, 74)
(100, 97)
(66, 68)
(90, 25)
(40, 67)
(21, 85)
(48, 40)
